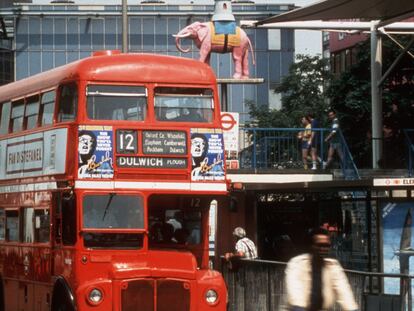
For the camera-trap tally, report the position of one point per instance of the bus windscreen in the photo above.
(112, 211)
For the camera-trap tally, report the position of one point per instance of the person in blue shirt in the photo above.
(333, 139)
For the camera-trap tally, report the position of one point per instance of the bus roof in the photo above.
(135, 68)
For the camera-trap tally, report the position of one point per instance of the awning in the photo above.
(386, 11)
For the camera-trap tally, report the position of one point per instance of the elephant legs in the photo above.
(241, 64)
(245, 65)
(237, 62)
(204, 57)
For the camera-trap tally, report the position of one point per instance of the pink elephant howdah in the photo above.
(205, 40)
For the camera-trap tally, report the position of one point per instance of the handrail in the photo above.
(364, 273)
(280, 148)
(260, 285)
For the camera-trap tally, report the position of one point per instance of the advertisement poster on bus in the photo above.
(95, 152)
(207, 152)
(397, 244)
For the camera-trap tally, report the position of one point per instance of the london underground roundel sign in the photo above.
(227, 121)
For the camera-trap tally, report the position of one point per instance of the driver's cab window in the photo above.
(175, 227)
(68, 102)
(173, 222)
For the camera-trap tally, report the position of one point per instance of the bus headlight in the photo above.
(95, 296)
(211, 296)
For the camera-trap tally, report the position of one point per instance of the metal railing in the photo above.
(409, 139)
(280, 148)
(259, 285)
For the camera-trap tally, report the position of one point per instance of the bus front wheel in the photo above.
(60, 297)
(62, 304)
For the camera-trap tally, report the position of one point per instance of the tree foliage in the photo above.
(310, 86)
(302, 91)
(350, 96)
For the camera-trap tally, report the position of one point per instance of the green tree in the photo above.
(302, 90)
(350, 96)
(309, 86)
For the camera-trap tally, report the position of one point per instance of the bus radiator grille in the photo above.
(138, 296)
(171, 295)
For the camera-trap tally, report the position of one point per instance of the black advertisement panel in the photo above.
(150, 162)
(164, 142)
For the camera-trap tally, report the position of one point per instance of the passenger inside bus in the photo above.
(166, 231)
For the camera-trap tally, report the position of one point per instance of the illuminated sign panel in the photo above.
(163, 142)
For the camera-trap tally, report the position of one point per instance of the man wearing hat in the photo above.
(244, 248)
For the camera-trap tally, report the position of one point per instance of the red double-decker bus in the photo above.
(108, 169)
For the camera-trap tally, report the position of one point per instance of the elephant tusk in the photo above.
(182, 35)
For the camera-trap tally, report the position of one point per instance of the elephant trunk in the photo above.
(178, 37)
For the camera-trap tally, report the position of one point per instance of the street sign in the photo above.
(394, 182)
(230, 125)
(228, 121)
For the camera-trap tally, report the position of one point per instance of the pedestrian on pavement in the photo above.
(315, 282)
(244, 247)
(333, 139)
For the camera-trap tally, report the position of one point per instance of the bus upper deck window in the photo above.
(5, 118)
(116, 102)
(184, 104)
(32, 112)
(47, 108)
(17, 116)
(68, 103)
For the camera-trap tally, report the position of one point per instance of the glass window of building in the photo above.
(173, 104)
(116, 102)
(32, 112)
(275, 42)
(5, 118)
(68, 103)
(47, 108)
(17, 116)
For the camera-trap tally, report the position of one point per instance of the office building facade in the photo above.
(45, 36)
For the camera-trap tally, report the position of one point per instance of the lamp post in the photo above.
(124, 26)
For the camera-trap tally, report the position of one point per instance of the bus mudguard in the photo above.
(62, 295)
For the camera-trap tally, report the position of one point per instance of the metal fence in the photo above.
(280, 148)
(258, 285)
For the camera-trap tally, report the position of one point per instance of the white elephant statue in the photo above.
(207, 42)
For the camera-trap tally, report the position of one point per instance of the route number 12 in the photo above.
(126, 141)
